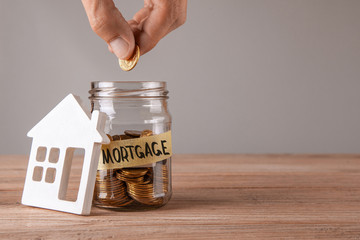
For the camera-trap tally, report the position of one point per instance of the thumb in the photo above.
(107, 22)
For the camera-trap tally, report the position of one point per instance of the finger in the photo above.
(153, 24)
(142, 14)
(110, 49)
(181, 8)
(107, 22)
(155, 20)
(135, 27)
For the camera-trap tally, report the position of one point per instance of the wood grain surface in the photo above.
(215, 197)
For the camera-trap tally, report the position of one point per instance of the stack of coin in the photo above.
(134, 175)
(140, 185)
(164, 178)
(144, 193)
(111, 191)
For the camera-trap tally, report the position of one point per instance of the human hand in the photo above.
(149, 25)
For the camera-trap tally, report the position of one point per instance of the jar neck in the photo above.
(128, 91)
(149, 103)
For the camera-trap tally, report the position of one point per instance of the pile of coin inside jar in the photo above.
(137, 186)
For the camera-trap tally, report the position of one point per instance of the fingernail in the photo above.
(120, 47)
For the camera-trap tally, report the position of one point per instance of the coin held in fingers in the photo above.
(129, 64)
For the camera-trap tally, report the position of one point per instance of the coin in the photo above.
(124, 137)
(116, 137)
(129, 64)
(146, 133)
(134, 172)
(144, 194)
(104, 175)
(128, 179)
(133, 133)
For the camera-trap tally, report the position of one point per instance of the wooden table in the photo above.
(215, 197)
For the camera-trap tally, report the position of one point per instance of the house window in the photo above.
(50, 175)
(41, 154)
(37, 174)
(54, 155)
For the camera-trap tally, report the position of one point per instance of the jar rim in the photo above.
(128, 89)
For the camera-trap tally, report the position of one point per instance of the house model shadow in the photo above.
(55, 138)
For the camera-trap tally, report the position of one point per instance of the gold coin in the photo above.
(146, 133)
(108, 186)
(134, 172)
(124, 137)
(133, 133)
(133, 180)
(116, 202)
(129, 64)
(147, 199)
(105, 174)
(116, 137)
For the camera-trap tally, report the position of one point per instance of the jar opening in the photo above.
(128, 89)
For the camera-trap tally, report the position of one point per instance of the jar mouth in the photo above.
(128, 89)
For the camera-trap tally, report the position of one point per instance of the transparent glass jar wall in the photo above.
(137, 107)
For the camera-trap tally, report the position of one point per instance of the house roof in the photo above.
(71, 123)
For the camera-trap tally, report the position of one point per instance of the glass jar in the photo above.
(134, 170)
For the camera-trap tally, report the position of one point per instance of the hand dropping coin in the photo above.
(129, 64)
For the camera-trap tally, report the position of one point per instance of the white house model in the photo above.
(55, 138)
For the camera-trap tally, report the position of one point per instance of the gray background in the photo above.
(254, 76)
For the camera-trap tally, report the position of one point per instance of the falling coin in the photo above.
(129, 64)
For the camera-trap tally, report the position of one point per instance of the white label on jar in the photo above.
(135, 152)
